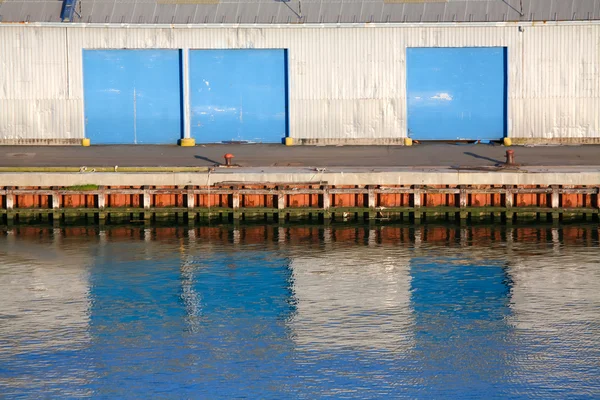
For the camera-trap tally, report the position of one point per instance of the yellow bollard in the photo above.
(85, 142)
(507, 141)
(289, 141)
(408, 141)
(187, 142)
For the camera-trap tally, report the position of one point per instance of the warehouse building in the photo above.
(315, 72)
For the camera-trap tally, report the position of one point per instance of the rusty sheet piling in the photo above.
(304, 201)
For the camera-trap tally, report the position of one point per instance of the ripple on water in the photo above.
(345, 312)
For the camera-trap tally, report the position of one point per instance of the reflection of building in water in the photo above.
(207, 310)
(353, 297)
(547, 286)
(556, 314)
(44, 291)
(246, 299)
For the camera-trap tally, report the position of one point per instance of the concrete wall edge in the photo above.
(442, 177)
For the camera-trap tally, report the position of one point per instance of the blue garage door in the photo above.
(456, 93)
(132, 96)
(238, 95)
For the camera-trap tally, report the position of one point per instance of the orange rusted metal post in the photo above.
(510, 157)
(228, 158)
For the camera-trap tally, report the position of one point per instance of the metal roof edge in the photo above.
(302, 26)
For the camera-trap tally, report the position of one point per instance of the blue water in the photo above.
(307, 312)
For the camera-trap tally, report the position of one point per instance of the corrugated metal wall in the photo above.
(346, 84)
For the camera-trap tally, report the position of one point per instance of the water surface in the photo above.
(300, 312)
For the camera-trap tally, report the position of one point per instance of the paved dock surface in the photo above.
(272, 155)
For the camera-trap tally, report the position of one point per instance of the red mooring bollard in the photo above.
(510, 157)
(228, 158)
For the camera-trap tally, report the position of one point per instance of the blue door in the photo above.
(456, 93)
(132, 96)
(238, 95)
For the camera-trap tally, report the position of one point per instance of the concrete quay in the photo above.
(148, 183)
(542, 176)
(301, 193)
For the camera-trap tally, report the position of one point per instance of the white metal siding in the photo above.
(345, 83)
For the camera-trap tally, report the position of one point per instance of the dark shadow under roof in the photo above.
(303, 11)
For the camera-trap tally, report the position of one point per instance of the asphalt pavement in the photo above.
(275, 155)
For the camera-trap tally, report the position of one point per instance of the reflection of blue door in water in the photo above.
(132, 96)
(461, 309)
(456, 93)
(196, 325)
(238, 95)
(135, 312)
